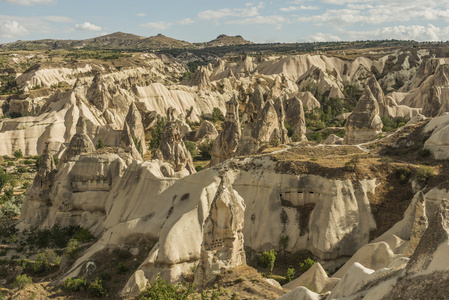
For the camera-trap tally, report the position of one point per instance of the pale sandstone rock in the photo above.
(364, 123)
(134, 121)
(314, 279)
(207, 130)
(295, 116)
(333, 140)
(80, 142)
(419, 225)
(225, 145)
(301, 293)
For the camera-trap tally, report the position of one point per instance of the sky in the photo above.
(203, 20)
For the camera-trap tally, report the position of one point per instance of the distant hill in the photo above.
(124, 41)
(225, 40)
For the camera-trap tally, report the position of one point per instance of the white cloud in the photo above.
(260, 20)
(186, 21)
(59, 19)
(86, 26)
(29, 2)
(11, 29)
(301, 7)
(227, 12)
(141, 15)
(322, 37)
(157, 25)
(412, 32)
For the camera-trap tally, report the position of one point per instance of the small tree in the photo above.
(267, 259)
(156, 133)
(351, 165)
(306, 264)
(3, 179)
(205, 150)
(100, 143)
(290, 274)
(191, 146)
(18, 153)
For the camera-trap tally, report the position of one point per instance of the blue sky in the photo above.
(203, 20)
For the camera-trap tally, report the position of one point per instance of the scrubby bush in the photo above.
(351, 165)
(306, 264)
(97, 289)
(72, 248)
(217, 115)
(21, 169)
(423, 174)
(161, 290)
(191, 146)
(122, 268)
(4, 177)
(83, 235)
(283, 241)
(22, 280)
(156, 133)
(100, 143)
(267, 259)
(18, 153)
(290, 274)
(205, 150)
(12, 207)
(45, 261)
(75, 284)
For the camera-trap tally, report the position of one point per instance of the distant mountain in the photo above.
(123, 41)
(225, 40)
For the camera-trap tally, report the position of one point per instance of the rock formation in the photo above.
(314, 279)
(80, 142)
(295, 117)
(222, 246)
(127, 143)
(255, 104)
(207, 130)
(225, 145)
(419, 225)
(437, 101)
(364, 123)
(172, 148)
(134, 121)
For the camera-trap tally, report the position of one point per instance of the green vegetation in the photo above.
(351, 165)
(217, 115)
(161, 290)
(156, 133)
(391, 124)
(100, 143)
(3, 179)
(191, 146)
(423, 174)
(306, 264)
(72, 248)
(97, 289)
(11, 206)
(206, 150)
(75, 285)
(45, 261)
(283, 242)
(18, 153)
(8, 85)
(22, 281)
(290, 274)
(267, 259)
(138, 144)
(96, 54)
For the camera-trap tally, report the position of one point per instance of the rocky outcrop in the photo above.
(255, 104)
(333, 140)
(294, 116)
(225, 145)
(437, 101)
(80, 142)
(419, 225)
(314, 279)
(134, 121)
(172, 148)
(206, 131)
(222, 246)
(364, 123)
(127, 143)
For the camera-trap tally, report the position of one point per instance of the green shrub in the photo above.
(25, 185)
(351, 165)
(296, 138)
(27, 162)
(37, 160)
(122, 268)
(72, 248)
(423, 174)
(424, 152)
(205, 150)
(161, 290)
(217, 115)
(56, 160)
(22, 280)
(21, 169)
(156, 133)
(267, 259)
(4, 177)
(97, 289)
(12, 207)
(198, 168)
(10, 163)
(75, 284)
(83, 235)
(122, 253)
(100, 143)
(283, 241)
(191, 146)
(18, 153)
(45, 261)
(306, 264)
(290, 274)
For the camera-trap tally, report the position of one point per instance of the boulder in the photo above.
(207, 130)
(364, 123)
(333, 140)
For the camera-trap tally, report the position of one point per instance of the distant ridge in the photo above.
(124, 41)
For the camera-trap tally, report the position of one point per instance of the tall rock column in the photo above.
(227, 142)
(364, 123)
(80, 142)
(222, 246)
(134, 121)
